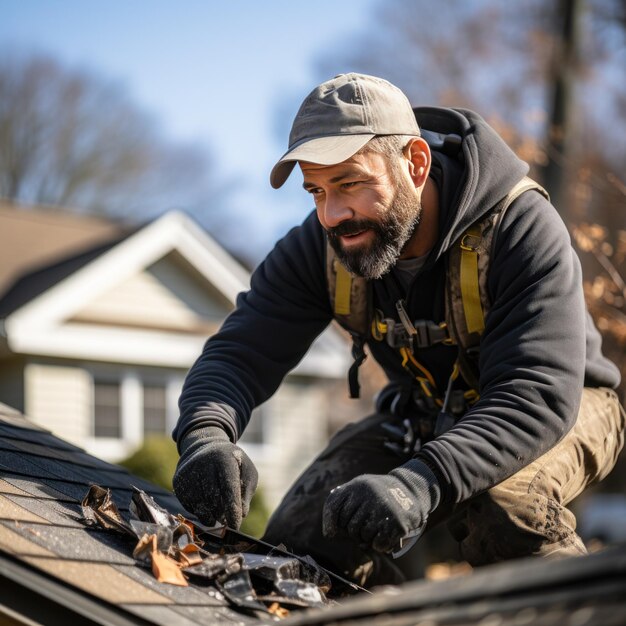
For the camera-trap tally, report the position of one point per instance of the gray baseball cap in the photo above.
(339, 117)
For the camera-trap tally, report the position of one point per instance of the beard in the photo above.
(391, 235)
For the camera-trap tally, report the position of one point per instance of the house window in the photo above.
(154, 410)
(255, 431)
(107, 410)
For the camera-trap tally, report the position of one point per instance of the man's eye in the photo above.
(349, 184)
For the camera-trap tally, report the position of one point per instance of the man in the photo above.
(498, 462)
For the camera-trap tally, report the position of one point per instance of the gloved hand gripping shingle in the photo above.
(215, 479)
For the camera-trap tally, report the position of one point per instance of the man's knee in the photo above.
(503, 524)
(526, 514)
(601, 423)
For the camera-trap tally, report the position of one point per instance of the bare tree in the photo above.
(503, 59)
(455, 53)
(70, 138)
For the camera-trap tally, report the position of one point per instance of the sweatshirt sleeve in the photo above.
(532, 356)
(268, 333)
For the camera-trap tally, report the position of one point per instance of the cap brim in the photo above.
(323, 151)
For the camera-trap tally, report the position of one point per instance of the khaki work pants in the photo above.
(522, 516)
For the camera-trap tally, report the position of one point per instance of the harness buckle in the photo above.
(429, 333)
(397, 336)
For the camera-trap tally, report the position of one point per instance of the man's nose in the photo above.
(335, 210)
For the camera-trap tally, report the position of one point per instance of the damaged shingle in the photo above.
(42, 483)
(172, 547)
(68, 564)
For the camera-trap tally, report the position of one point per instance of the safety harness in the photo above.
(467, 305)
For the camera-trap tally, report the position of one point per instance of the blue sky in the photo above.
(225, 74)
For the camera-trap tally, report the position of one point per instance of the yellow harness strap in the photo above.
(343, 288)
(470, 290)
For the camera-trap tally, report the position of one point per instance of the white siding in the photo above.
(186, 284)
(163, 296)
(140, 300)
(59, 399)
(296, 422)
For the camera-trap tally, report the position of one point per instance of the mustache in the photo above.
(352, 227)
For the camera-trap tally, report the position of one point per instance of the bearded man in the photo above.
(495, 438)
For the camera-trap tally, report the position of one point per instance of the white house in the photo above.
(99, 325)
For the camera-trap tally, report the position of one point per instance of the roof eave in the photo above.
(32, 596)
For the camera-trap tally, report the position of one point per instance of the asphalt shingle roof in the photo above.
(56, 570)
(42, 481)
(35, 237)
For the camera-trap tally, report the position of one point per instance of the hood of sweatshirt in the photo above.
(477, 167)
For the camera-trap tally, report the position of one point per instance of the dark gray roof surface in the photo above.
(55, 570)
(575, 591)
(42, 481)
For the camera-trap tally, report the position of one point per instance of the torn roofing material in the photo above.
(179, 550)
(54, 569)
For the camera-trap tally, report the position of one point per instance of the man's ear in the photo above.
(418, 155)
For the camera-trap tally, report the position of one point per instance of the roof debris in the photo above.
(171, 546)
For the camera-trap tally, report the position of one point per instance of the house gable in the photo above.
(132, 302)
(151, 298)
(169, 295)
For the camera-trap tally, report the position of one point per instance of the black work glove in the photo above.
(378, 511)
(214, 478)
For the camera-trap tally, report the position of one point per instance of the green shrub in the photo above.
(254, 523)
(155, 460)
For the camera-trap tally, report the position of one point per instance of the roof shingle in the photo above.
(42, 483)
